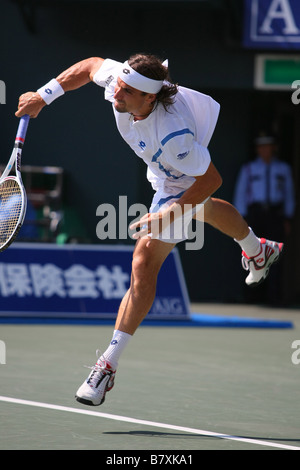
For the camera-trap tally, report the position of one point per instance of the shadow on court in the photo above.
(168, 435)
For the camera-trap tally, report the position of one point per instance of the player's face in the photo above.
(130, 100)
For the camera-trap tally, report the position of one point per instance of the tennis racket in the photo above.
(13, 200)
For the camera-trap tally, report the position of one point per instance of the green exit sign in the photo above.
(276, 72)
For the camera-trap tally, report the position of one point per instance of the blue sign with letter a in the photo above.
(272, 24)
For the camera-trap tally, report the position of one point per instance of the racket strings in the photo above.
(10, 208)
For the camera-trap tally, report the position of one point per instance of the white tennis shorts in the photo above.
(179, 230)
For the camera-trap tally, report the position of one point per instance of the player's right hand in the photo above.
(30, 103)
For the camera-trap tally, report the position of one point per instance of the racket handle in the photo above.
(22, 129)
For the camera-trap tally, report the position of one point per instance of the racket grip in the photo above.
(22, 129)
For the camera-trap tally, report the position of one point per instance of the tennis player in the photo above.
(169, 127)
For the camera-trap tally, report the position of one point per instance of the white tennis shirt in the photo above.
(172, 143)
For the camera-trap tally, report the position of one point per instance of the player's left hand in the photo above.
(150, 225)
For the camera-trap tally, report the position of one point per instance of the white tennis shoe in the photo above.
(260, 264)
(101, 380)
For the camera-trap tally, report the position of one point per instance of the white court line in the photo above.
(146, 423)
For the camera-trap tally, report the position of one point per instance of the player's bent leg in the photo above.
(258, 254)
(225, 217)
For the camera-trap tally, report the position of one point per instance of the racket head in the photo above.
(13, 204)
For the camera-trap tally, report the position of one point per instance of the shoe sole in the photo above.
(255, 284)
(84, 401)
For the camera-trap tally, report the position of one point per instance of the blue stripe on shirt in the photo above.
(161, 167)
(175, 134)
(156, 155)
(163, 142)
(163, 200)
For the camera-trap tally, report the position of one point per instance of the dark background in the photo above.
(203, 42)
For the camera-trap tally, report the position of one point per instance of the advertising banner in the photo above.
(272, 24)
(81, 281)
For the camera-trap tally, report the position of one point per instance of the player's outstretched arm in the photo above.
(72, 78)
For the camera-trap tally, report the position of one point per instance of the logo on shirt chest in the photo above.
(142, 145)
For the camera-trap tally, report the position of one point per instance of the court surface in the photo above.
(176, 389)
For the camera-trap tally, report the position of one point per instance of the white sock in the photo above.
(250, 244)
(116, 347)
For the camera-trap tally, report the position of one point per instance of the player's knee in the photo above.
(211, 209)
(143, 267)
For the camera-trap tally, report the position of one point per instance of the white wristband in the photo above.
(51, 91)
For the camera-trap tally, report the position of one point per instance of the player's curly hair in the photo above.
(151, 66)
